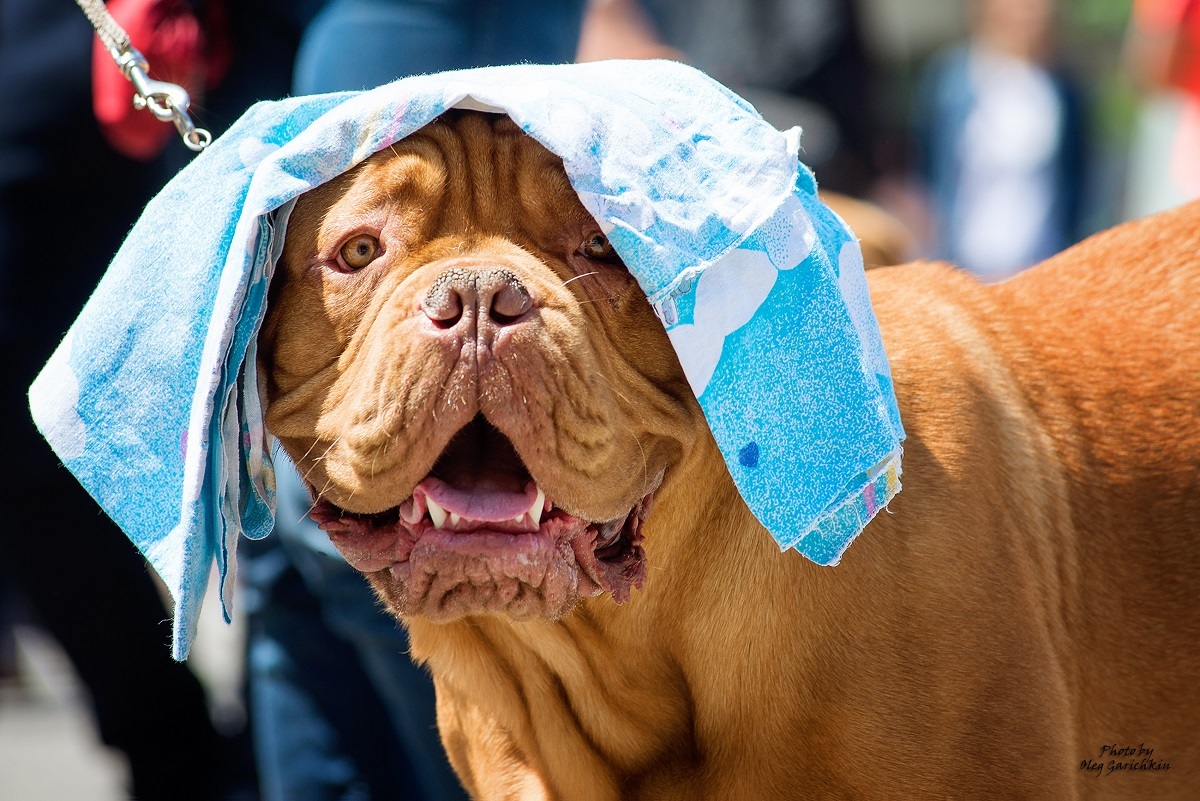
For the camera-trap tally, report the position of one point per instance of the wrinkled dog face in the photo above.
(471, 383)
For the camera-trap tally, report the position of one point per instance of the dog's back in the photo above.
(1081, 388)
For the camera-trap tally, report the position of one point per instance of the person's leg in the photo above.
(400, 690)
(408, 693)
(327, 723)
(406, 690)
(320, 731)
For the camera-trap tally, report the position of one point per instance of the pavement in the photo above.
(49, 749)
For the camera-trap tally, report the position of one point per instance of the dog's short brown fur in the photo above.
(1032, 596)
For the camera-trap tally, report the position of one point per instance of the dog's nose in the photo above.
(491, 294)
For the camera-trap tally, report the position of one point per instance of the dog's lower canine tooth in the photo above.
(539, 504)
(436, 513)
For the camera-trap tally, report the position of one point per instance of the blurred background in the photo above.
(992, 133)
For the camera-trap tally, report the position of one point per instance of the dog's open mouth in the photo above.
(479, 535)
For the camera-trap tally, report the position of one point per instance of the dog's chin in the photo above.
(478, 536)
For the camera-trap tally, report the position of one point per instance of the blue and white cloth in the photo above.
(152, 399)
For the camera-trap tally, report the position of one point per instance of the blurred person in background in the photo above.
(1001, 137)
(799, 62)
(1162, 54)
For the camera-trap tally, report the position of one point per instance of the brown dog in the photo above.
(501, 438)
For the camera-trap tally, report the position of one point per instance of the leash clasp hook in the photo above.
(168, 102)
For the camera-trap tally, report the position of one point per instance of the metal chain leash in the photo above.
(168, 102)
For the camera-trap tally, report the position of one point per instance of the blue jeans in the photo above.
(338, 710)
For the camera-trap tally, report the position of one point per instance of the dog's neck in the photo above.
(611, 682)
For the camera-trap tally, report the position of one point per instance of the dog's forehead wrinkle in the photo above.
(475, 187)
(451, 142)
(489, 160)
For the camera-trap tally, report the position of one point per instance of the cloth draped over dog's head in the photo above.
(152, 399)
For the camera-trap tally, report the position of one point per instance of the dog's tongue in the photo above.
(489, 505)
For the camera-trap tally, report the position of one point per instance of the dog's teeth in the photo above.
(436, 513)
(454, 519)
(518, 518)
(539, 505)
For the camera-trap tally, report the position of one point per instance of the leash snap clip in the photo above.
(168, 102)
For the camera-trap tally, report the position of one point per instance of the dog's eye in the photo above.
(598, 247)
(360, 251)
